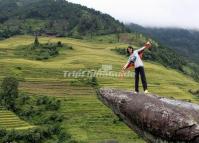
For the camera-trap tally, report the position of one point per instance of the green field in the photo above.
(86, 118)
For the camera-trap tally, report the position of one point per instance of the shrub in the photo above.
(36, 42)
(93, 82)
(9, 92)
(42, 100)
(196, 92)
(59, 44)
(50, 103)
(55, 129)
(2, 132)
(121, 51)
(23, 99)
(27, 112)
(9, 137)
(34, 136)
(70, 47)
(63, 136)
(53, 118)
(53, 104)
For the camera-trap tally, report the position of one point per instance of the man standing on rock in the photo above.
(135, 58)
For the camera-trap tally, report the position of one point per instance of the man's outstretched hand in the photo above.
(148, 44)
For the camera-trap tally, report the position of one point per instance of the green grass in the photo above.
(86, 118)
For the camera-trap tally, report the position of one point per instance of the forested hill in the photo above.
(183, 41)
(53, 17)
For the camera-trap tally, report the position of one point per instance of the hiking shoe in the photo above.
(146, 91)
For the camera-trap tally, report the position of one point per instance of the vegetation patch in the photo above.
(41, 51)
(92, 81)
(194, 92)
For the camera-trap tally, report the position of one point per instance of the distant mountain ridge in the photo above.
(53, 17)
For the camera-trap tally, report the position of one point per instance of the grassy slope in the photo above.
(86, 118)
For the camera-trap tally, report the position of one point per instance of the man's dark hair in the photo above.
(129, 47)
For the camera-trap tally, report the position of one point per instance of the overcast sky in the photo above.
(155, 13)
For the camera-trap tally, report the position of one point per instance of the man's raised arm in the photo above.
(146, 45)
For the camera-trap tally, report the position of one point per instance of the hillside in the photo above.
(183, 41)
(85, 117)
(53, 17)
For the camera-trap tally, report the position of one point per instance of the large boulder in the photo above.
(156, 119)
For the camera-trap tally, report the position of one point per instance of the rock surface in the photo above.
(155, 119)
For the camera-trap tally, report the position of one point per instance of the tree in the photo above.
(85, 24)
(117, 31)
(118, 36)
(36, 42)
(9, 92)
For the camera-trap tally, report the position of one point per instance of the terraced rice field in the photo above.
(8, 120)
(86, 118)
